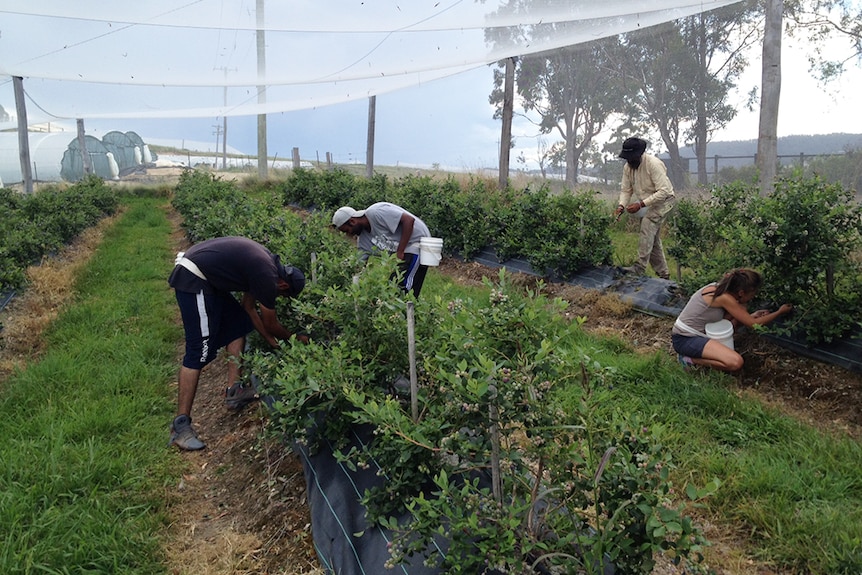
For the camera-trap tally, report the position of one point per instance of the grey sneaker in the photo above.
(183, 436)
(236, 396)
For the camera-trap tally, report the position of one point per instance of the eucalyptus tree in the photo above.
(823, 20)
(683, 72)
(767, 137)
(570, 91)
(719, 40)
(660, 72)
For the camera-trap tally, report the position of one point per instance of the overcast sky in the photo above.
(449, 122)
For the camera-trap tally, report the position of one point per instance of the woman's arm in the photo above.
(739, 313)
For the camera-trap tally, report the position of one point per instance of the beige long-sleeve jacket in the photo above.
(648, 183)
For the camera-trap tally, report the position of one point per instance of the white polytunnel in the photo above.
(208, 58)
(56, 156)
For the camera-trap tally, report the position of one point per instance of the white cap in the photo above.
(344, 213)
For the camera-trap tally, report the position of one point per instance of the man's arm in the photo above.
(406, 231)
(265, 322)
(627, 187)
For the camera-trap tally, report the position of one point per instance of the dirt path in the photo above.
(241, 508)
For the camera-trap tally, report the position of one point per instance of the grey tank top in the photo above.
(696, 313)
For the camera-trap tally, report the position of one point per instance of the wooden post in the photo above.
(369, 144)
(23, 134)
(82, 146)
(494, 416)
(411, 352)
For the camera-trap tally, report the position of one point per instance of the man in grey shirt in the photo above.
(392, 229)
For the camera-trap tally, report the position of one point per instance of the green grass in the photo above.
(85, 428)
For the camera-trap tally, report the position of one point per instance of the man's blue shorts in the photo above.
(210, 321)
(690, 345)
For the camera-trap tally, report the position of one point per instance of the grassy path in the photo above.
(82, 486)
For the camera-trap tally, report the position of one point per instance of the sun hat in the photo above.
(344, 213)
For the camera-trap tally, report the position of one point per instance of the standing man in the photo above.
(645, 177)
(204, 280)
(391, 229)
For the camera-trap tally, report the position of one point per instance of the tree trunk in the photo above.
(767, 140)
(506, 132)
(700, 131)
(572, 156)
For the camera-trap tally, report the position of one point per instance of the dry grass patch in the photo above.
(49, 285)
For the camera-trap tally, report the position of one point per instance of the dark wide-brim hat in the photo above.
(633, 148)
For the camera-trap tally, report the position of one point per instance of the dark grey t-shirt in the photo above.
(230, 264)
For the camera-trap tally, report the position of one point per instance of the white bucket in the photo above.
(722, 331)
(430, 251)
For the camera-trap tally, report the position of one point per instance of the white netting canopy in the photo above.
(210, 58)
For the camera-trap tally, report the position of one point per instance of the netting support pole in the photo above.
(23, 135)
(411, 351)
(260, 36)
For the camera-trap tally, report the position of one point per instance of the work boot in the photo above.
(184, 436)
(237, 396)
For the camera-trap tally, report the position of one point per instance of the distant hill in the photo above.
(788, 145)
(737, 154)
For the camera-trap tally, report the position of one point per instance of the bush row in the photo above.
(805, 238)
(558, 234)
(579, 482)
(41, 223)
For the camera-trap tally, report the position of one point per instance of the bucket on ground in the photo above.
(722, 331)
(430, 251)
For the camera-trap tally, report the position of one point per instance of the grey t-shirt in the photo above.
(386, 227)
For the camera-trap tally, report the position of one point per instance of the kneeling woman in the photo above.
(726, 299)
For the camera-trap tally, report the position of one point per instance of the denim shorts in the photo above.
(690, 345)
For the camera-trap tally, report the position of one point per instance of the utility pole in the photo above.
(224, 120)
(218, 134)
